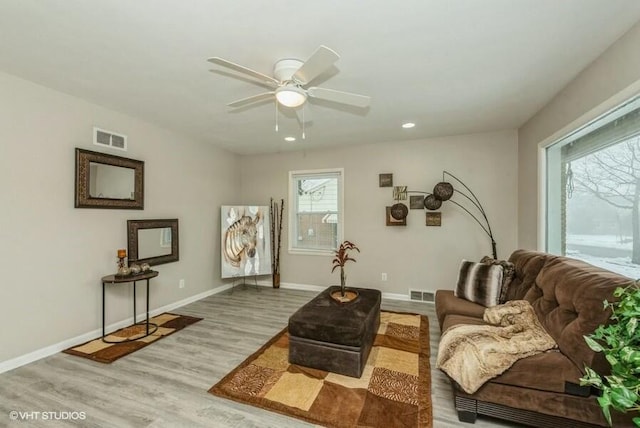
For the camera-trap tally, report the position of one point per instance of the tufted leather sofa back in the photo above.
(568, 295)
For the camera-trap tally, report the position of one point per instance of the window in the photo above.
(593, 192)
(315, 211)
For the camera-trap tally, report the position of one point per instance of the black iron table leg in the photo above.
(147, 306)
(135, 317)
(103, 319)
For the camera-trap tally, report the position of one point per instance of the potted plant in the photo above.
(619, 340)
(340, 259)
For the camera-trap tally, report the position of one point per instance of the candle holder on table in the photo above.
(122, 265)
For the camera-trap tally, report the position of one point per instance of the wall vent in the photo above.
(110, 139)
(421, 296)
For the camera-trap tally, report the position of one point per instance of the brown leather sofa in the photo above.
(544, 390)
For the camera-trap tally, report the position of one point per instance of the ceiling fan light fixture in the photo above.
(291, 96)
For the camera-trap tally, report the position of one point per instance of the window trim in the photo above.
(293, 213)
(599, 119)
(582, 120)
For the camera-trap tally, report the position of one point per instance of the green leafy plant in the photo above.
(619, 341)
(342, 257)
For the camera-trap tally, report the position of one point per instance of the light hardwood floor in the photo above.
(166, 383)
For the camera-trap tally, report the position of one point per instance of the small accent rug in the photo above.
(394, 390)
(102, 352)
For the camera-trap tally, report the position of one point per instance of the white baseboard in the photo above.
(90, 335)
(319, 288)
(396, 296)
(294, 286)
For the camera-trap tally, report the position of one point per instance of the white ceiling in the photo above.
(451, 66)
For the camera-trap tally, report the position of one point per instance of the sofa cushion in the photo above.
(567, 296)
(453, 320)
(480, 283)
(508, 272)
(447, 303)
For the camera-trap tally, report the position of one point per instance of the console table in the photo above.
(119, 279)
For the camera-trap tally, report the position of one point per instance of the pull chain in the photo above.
(303, 121)
(276, 115)
(570, 185)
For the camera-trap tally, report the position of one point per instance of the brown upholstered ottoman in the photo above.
(332, 336)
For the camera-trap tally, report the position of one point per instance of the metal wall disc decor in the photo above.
(443, 191)
(399, 211)
(432, 203)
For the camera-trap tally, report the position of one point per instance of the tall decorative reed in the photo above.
(276, 210)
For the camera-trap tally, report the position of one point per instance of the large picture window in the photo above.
(315, 211)
(593, 192)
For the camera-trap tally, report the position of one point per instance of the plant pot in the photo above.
(276, 280)
(349, 295)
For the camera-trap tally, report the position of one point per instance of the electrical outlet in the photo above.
(384, 276)
(181, 283)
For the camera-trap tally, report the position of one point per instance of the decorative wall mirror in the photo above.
(108, 181)
(153, 241)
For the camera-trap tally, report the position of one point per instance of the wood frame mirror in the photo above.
(153, 241)
(108, 181)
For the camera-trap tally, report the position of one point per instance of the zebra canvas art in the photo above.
(246, 243)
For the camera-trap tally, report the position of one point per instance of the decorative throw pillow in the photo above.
(480, 283)
(508, 272)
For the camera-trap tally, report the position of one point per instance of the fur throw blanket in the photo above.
(473, 354)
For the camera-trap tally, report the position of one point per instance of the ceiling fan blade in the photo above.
(251, 99)
(357, 100)
(245, 70)
(321, 60)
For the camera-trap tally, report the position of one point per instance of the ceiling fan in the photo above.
(290, 81)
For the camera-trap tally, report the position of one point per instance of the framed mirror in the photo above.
(108, 181)
(153, 241)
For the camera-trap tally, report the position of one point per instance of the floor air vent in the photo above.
(421, 296)
(109, 139)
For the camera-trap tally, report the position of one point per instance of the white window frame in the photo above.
(589, 116)
(598, 118)
(293, 214)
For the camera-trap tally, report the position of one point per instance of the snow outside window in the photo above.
(593, 192)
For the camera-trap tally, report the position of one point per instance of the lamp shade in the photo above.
(432, 203)
(290, 96)
(399, 211)
(443, 191)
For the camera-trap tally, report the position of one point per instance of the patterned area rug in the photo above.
(394, 390)
(100, 351)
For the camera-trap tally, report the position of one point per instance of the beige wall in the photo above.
(609, 80)
(414, 256)
(53, 255)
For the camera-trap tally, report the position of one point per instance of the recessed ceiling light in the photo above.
(289, 138)
(408, 125)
